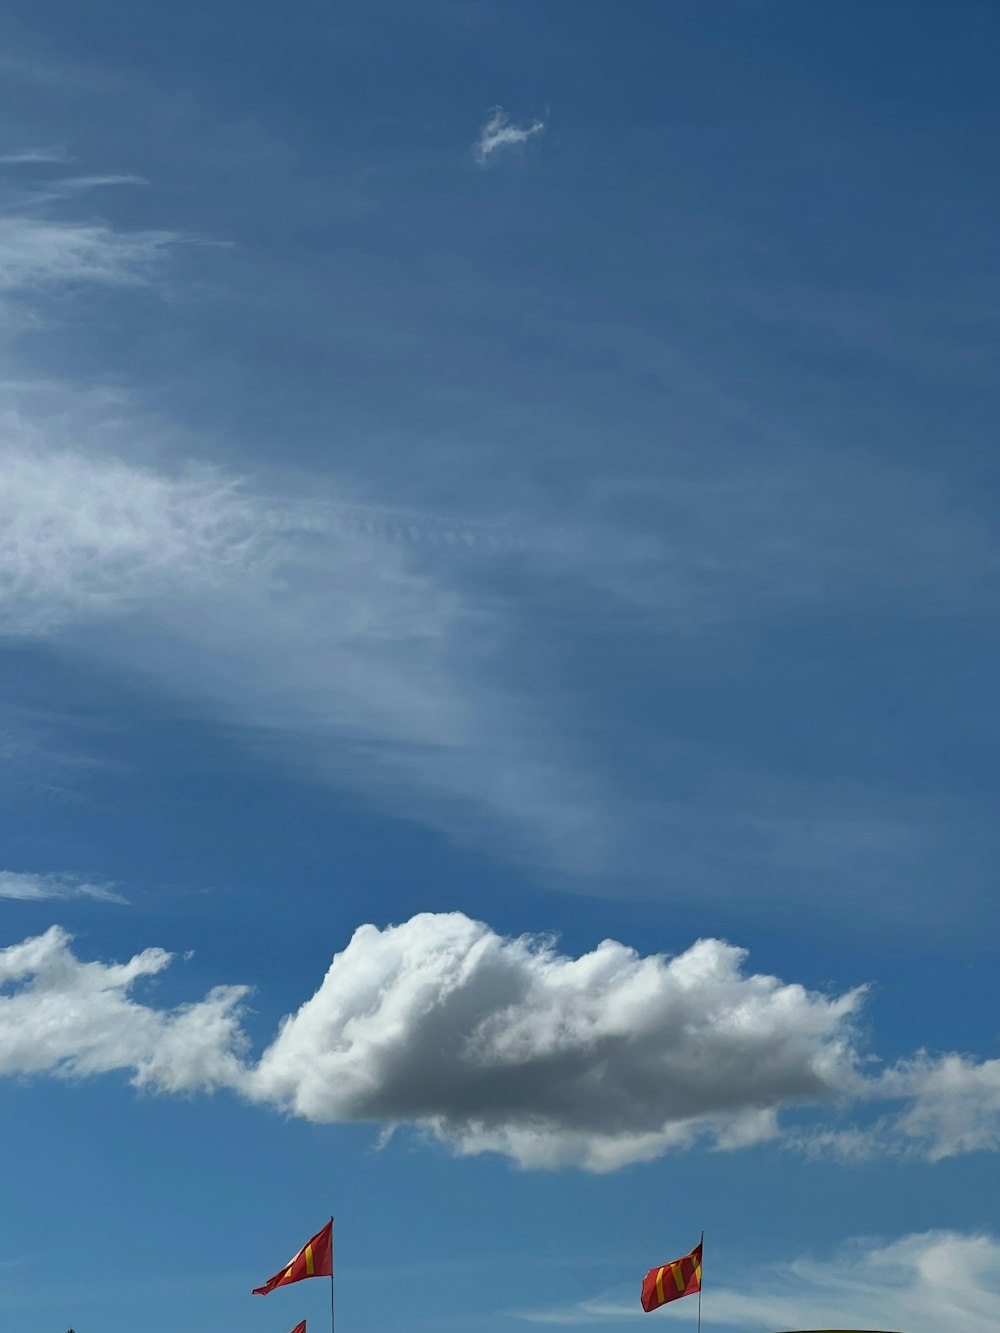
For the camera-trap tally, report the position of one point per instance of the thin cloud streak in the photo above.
(28, 887)
(73, 184)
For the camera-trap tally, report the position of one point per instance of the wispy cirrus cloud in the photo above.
(38, 253)
(34, 156)
(354, 650)
(909, 1283)
(43, 252)
(86, 538)
(76, 184)
(486, 1043)
(30, 887)
(173, 573)
(392, 694)
(499, 131)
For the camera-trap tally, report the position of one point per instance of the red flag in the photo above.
(300, 1328)
(672, 1281)
(315, 1259)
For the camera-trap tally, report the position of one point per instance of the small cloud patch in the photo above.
(498, 132)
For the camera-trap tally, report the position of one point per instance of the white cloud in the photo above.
(922, 1283)
(72, 1019)
(43, 888)
(83, 537)
(954, 1104)
(505, 1045)
(37, 253)
(950, 1106)
(492, 1044)
(498, 132)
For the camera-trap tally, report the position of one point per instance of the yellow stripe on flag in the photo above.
(678, 1275)
(310, 1266)
(659, 1286)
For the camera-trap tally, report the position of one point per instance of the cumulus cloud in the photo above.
(950, 1105)
(908, 1283)
(506, 1045)
(69, 1018)
(43, 888)
(499, 132)
(954, 1104)
(494, 1044)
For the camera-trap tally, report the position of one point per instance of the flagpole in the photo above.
(332, 1325)
(702, 1244)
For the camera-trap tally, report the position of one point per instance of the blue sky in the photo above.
(498, 585)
